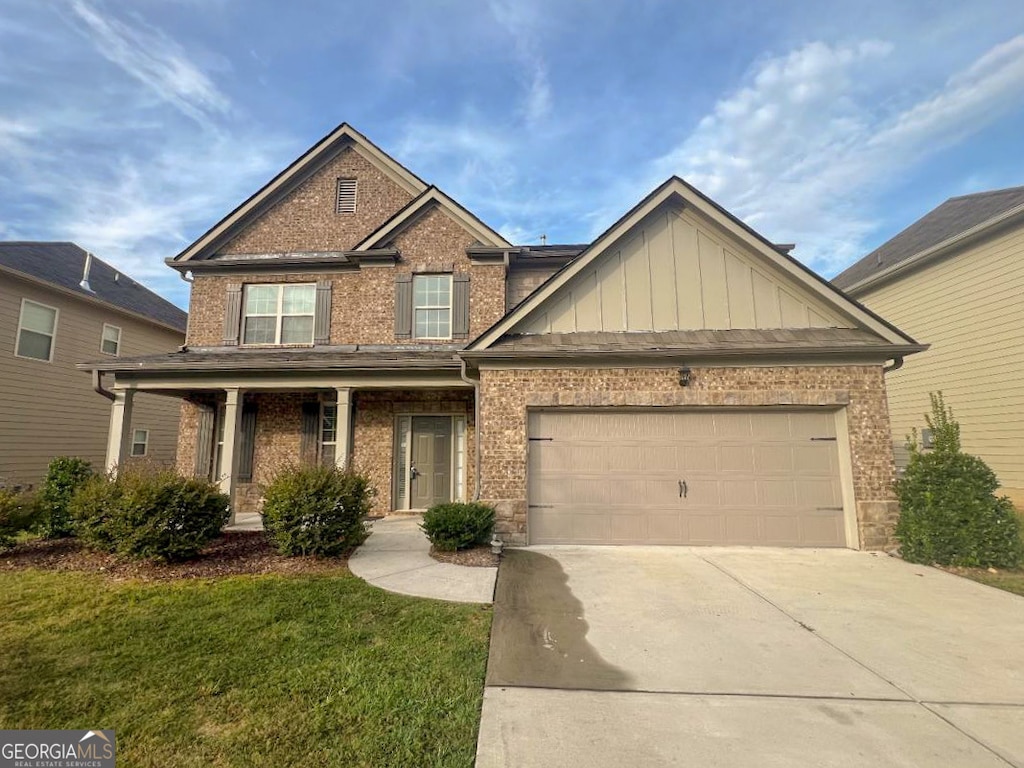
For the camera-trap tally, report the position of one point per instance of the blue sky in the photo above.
(131, 127)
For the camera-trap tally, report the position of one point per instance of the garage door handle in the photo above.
(683, 490)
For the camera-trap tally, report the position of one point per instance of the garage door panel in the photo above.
(752, 477)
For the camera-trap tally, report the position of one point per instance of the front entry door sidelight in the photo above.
(430, 473)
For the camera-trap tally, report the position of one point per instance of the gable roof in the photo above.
(62, 265)
(432, 196)
(678, 190)
(954, 220)
(288, 179)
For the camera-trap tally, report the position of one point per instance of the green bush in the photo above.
(19, 513)
(64, 476)
(458, 525)
(144, 512)
(309, 510)
(949, 512)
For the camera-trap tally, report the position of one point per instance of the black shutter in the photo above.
(322, 332)
(403, 306)
(204, 441)
(460, 306)
(310, 433)
(247, 442)
(232, 314)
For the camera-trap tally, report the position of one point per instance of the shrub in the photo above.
(64, 476)
(458, 525)
(309, 510)
(143, 512)
(949, 513)
(19, 513)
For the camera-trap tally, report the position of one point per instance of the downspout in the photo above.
(897, 363)
(184, 276)
(97, 385)
(476, 426)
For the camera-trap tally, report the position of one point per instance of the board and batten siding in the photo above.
(50, 409)
(970, 308)
(678, 272)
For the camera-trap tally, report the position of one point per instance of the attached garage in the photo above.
(768, 476)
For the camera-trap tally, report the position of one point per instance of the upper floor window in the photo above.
(432, 306)
(345, 200)
(110, 342)
(37, 326)
(279, 314)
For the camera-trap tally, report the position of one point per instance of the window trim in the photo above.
(449, 307)
(279, 316)
(53, 336)
(118, 342)
(144, 443)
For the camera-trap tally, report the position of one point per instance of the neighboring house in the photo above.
(680, 380)
(955, 278)
(58, 307)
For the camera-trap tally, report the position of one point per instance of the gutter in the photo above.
(889, 350)
(475, 383)
(97, 385)
(897, 363)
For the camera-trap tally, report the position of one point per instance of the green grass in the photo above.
(1011, 581)
(265, 670)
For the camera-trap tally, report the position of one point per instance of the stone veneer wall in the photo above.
(507, 394)
(373, 444)
(363, 300)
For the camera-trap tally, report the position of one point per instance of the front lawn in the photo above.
(248, 670)
(1011, 581)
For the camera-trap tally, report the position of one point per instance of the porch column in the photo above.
(229, 453)
(119, 438)
(343, 448)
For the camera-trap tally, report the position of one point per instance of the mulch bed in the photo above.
(236, 553)
(478, 557)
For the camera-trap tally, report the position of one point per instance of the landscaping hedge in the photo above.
(312, 510)
(458, 525)
(64, 476)
(149, 513)
(19, 513)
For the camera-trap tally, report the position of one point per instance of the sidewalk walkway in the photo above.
(397, 558)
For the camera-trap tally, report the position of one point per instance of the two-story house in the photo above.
(680, 380)
(58, 307)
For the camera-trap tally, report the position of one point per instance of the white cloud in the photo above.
(154, 59)
(805, 148)
(521, 21)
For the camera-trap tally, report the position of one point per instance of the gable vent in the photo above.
(346, 199)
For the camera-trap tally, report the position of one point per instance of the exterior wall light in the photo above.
(685, 377)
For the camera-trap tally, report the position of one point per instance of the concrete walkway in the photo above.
(603, 657)
(397, 558)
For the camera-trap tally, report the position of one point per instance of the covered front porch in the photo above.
(410, 431)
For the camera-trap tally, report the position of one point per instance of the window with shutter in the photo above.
(345, 202)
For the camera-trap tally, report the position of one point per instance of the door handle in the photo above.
(413, 472)
(683, 490)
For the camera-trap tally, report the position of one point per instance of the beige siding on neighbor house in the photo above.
(50, 409)
(677, 271)
(970, 308)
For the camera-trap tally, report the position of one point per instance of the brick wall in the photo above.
(506, 395)
(305, 219)
(363, 301)
(373, 445)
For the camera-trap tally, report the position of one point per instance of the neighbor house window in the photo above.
(328, 434)
(432, 306)
(110, 343)
(279, 314)
(345, 202)
(36, 328)
(140, 442)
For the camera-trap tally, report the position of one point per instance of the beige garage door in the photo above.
(684, 477)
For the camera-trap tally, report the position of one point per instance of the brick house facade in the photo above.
(402, 337)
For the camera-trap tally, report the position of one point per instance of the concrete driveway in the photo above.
(740, 657)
